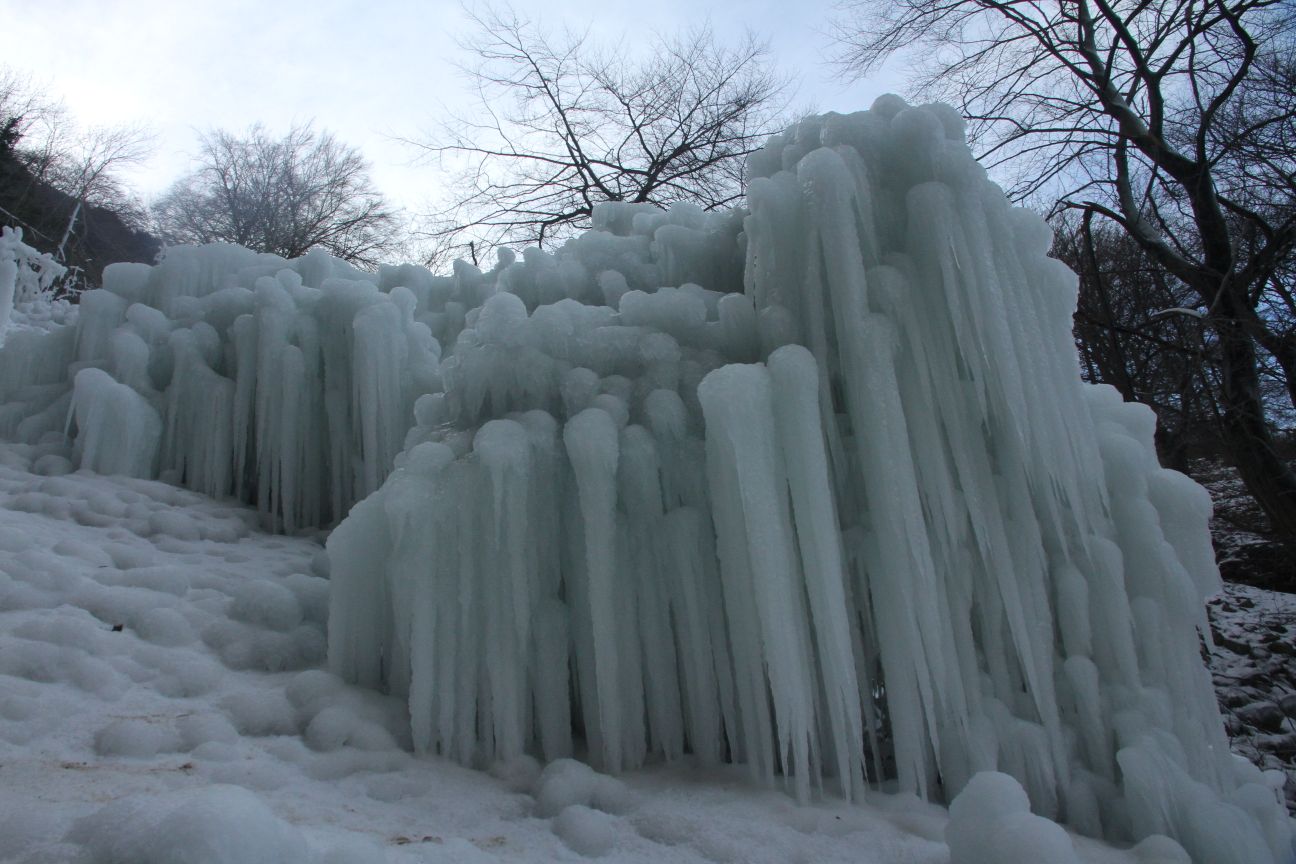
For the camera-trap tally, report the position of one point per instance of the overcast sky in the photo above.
(367, 71)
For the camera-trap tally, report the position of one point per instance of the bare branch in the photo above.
(282, 195)
(563, 125)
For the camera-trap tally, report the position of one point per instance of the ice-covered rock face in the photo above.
(813, 486)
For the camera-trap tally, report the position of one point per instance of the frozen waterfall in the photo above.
(862, 520)
(814, 486)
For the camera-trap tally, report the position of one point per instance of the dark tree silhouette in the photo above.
(282, 195)
(1170, 119)
(561, 125)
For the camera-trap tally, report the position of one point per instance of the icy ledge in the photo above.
(862, 521)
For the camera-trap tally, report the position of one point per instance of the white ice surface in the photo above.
(25, 275)
(204, 732)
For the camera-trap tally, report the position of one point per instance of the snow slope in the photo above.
(162, 701)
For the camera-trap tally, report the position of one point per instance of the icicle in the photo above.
(591, 441)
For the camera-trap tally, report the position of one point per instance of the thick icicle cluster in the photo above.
(862, 520)
(290, 384)
(287, 383)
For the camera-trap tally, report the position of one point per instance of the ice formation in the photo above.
(24, 274)
(814, 486)
(289, 384)
(861, 520)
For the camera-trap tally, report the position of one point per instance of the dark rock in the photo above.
(1234, 698)
(1262, 715)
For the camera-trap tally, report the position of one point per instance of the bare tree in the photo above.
(282, 195)
(1126, 337)
(63, 184)
(1171, 119)
(21, 107)
(562, 124)
(85, 165)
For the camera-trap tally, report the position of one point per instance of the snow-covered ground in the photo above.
(1254, 667)
(1244, 544)
(161, 700)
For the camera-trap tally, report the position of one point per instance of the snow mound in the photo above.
(215, 825)
(586, 831)
(991, 823)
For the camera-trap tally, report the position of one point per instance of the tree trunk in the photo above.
(1267, 477)
(1171, 446)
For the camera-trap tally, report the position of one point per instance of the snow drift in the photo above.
(814, 486)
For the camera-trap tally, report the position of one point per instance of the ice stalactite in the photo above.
(288, 384)
(25, 274)
(132, 429)
(862, 520)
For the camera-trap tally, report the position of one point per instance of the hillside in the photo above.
(102, 236)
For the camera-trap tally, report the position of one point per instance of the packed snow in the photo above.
(813, 487)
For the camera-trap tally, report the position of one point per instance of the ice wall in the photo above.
(861, 521)
(289, 384)
(814, 486)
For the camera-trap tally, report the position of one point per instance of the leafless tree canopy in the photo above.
(62, 182)
(1055, 90)
(282, 195)
(562, 125)
(21, 107)
(1127, 337)
(1172, 119)
(83, 163)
